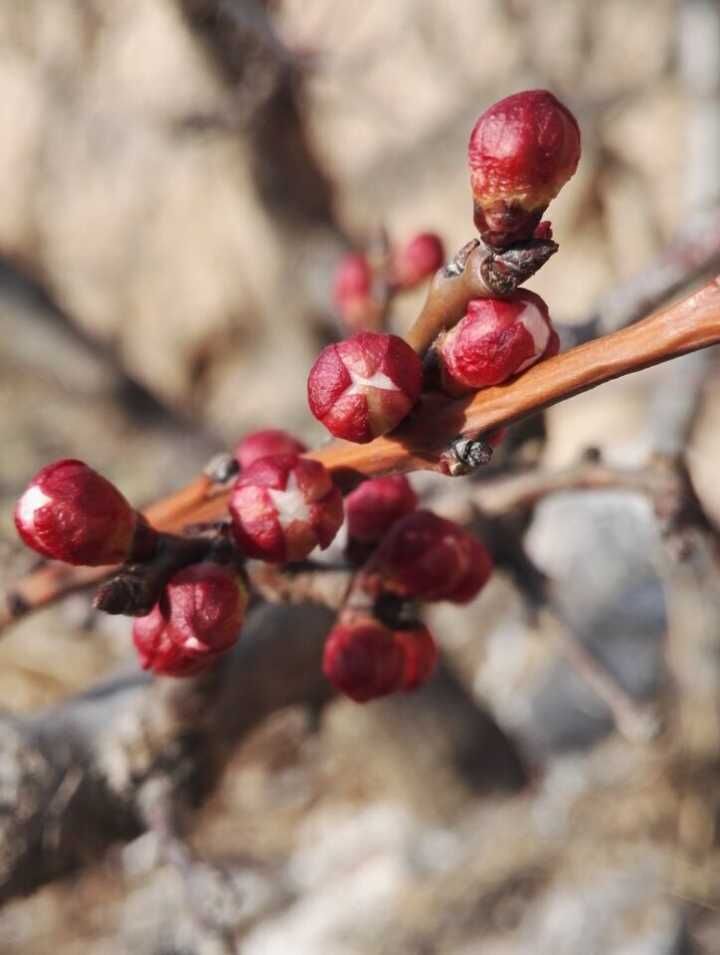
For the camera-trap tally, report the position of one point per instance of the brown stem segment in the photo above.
(420, 442)
(475, 272)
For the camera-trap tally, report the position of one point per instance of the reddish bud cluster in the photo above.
(497, 338)
(522, 151)
(426, 557)
(197, 619)
(366, 660)
(376, 505)
(364, 386)
(71, 513)
(417, 260)
(262, 444)
(284, 506)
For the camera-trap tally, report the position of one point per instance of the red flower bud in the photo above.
(427, 557)
(498, 338)
(353, 280)
(157, 652)
(522, 151)
(420, 652)
(363, 660)
(71, 513)
(376, 504)
(284, 506)
(364, 386)
(417, 260)
(261, 444)
(197, 619)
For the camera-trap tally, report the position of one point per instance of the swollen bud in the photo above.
(284, 506)
(71, 513)
(353, 292)
(375, 505)
(261, 444)
(420, 653)
(363, 659)
(353, 280)
(521, 153)
(426, 557)
(197, 619)
(364, 386)
(496, 339)
(417, 260)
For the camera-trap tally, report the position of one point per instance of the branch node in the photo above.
(466, 455)
(222, 468)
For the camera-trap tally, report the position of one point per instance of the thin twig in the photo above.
(421, 442)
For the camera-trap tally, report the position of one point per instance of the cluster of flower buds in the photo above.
(283, 506)
(496, 339)
(409, 264)
(71, 513)
(365, 659)
(197, 619)
(364, 386)
(522, 151)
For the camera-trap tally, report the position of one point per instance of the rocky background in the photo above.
(179, 179)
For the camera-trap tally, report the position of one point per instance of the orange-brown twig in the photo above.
(421, 442)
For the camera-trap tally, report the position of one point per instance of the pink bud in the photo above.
(284, 506)
(427, 557)
(197, 619)
(375, 505)
(157, 652)
(420, 652)
(522, 151)
(353, 279)
(363, 660)
(364, 386)
(261, 444)
(417, 260)
(71, 513)
(498, 338)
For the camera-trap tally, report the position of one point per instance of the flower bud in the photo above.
(353, 293)
(261, 444)
(157, 652)
(522, 151)
(364, 386)
(375, 505)
(497, 338)
(197, 619)
(417, 260)
(353, 280)
(420, 653)
(71, 513)
(284, 506)
(363, 660)
(426, 557)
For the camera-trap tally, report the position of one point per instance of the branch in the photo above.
(422, 442)
(78, 776)
(693, 253)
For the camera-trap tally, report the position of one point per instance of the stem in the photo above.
(419, 444)
(475, 272)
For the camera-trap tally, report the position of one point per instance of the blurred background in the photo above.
(179, 180)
